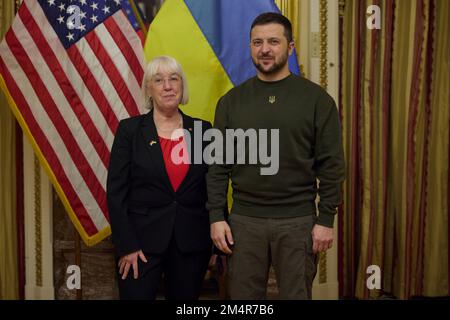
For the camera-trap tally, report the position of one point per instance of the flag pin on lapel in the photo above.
(152, 142)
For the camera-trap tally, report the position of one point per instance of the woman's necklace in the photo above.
(164, 130)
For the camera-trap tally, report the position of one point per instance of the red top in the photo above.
(176, 172)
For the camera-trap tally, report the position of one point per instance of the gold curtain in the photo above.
(9, 288)
(395, 118)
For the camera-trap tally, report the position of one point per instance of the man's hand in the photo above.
(322, 238)
(220, 234)
(125, 262)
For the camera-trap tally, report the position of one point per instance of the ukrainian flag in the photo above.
(210, 38)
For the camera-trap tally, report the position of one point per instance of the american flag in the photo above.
(72, 69)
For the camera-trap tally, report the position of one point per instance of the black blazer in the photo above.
(144, 210)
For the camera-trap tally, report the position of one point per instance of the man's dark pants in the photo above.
(286, 243)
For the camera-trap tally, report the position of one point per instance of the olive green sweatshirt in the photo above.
(309, 147)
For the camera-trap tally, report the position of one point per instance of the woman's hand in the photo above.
(125, 262)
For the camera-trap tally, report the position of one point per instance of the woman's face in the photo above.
(166, 90)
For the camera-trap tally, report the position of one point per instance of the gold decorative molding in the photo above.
(323, 16)
(37, 221)
(323, 267)
(341, 8)
(323, 43)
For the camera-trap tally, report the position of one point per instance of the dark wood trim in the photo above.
(20, 220)
(78, 260)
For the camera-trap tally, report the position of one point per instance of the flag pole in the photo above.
(138, 17)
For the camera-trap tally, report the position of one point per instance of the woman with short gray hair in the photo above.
(159, 222)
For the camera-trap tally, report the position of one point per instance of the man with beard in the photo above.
(274, 219)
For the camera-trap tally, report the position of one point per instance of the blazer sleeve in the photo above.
(117, 187)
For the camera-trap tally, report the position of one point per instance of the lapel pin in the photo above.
(190, 129)
(152, 142)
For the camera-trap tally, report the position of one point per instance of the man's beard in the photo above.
(277, 66)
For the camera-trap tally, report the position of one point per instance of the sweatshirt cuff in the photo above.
(326, 220)
(216, 215)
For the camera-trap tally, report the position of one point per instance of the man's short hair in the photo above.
(274, 17)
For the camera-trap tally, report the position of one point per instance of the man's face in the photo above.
(269, 48)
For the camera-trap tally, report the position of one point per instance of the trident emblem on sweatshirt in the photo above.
(272, 99)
